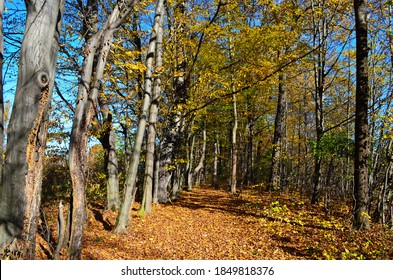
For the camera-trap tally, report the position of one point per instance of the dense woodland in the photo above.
(120, 119)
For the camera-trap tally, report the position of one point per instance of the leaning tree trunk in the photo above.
(96, 51)
(360, 215)
(130, 188)
(27, 131)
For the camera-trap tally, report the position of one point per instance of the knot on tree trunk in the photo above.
(42, 79)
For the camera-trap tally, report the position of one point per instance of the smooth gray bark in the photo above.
(123, 217)
(27, 131)
(199, 168)
(147, 199)
(60, 232)
(165, 173)
(234, 145)
(190, 163)
(111, 162)
(156, 176)
(215, 161)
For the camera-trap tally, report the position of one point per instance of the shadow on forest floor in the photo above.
(211, 224)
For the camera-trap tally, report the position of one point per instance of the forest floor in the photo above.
(208, 223)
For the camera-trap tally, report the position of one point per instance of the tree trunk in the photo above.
(361, 218)
(234, 146)
(60, 232)
(1, 90)
(319, 41)
(275, 170)
(190, 167)
(27, 131)
(147, 199)
(199, 168)
(215, 161)
(111, 163)
(130, 188)
(96, 51)
(165, 172)
(156, 177)
(90, 27)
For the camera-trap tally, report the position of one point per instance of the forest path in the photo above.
(205, 223)
(208, 223)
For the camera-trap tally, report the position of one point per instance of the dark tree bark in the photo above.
(360, 214)
(107, 140)
(275, 170)
(27, 131)
(319, 41)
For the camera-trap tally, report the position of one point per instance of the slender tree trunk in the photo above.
(250, 151)
(215, 161)
(156, 177)
(361, 218)
(90, 27)
(96, 51)
(199, 168)
(384, 199)
(130, 188)
(190, 167)
(27, 131)
(165, 174)
(320, 34)
(60, 232)
(181, 83)
(151, 136)
(275, 170)
(111, 163)
(234, 146)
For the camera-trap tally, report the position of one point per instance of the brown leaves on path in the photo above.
(202, 224)
(212, 224)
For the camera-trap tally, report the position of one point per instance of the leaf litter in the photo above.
(210, 224)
